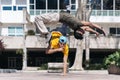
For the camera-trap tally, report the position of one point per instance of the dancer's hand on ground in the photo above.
(63, 74)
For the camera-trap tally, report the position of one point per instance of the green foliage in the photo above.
(19, 51)
(43, 67)
(112, 59)
(30, 32)
(96, 66)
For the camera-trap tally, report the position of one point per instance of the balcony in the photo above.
(105, 16)
(11, 42)
(105, 13)
(109, 42)
(102, 42)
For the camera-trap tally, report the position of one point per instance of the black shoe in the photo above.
(48, 37)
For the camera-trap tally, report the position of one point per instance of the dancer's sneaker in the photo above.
(48, 37)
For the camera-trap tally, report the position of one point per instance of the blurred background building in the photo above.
(20, 35)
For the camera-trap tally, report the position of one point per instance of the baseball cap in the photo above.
(62, 39)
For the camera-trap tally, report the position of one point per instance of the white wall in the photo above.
(12, 16)
(105, 19)
(4, 28)
(12, 42)
(4, 31)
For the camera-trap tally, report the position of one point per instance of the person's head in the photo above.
(62, 40)
(78, 33)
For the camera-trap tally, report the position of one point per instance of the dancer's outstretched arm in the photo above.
(93, 25)
(49, 50)
(86, 28)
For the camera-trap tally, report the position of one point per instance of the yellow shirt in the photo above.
(55, 42)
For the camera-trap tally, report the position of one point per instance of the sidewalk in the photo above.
(72, 75)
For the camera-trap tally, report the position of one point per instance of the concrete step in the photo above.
(8, 70)
(32, 68)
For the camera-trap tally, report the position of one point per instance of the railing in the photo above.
(102, 42)
(107, 42)
(38, 12)
(105, 13)
(94, 12)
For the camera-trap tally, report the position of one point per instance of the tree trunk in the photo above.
(24, 45)
(78, 57)
(24, 51)
(82, 14)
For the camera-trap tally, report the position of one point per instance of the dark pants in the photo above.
(64, 30)
(70, 20)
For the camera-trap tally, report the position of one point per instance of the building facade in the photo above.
(17, 19)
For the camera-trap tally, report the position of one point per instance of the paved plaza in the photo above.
(72, 75)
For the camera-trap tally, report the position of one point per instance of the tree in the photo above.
(84, 10)
(83, 13)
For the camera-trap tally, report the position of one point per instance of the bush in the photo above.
(19, 51)
(96, 66)
(30, 32)
(43, 67)
(112, 59)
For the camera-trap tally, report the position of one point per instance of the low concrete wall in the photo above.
(40, 42)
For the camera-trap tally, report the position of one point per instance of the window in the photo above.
(7, 8)
(6, 2)
(31, 1)
(117, 4)
(14, 8)
(73, 1)
(108, 4)
(15, 31)
(118, 30)
(112, 30)
(21, 7)
(115, 31)
(52, 5)
(32, 4)
(73, 4)
(96, 4)
(19, 31)
(62, 3)
(40, 4)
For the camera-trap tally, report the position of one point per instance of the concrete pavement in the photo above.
(72, 75)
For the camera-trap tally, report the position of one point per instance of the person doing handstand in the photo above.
(72, 22)
(58, 43)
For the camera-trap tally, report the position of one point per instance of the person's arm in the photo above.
(65, 64)
(65, 58)
(90, 30)
(49, 50)
(92, 25)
